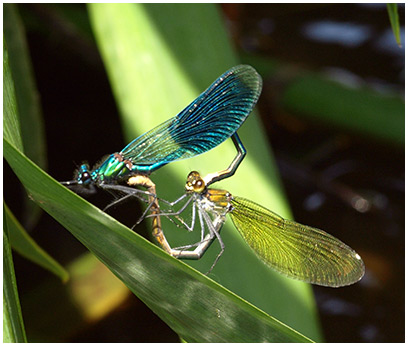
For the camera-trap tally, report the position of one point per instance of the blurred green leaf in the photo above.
(159, 58)
(315, 97)
(28, 101)
(357, 110)
(394, 20)
(11, 123)
(13, 325)
(193, 305)
(27, 247)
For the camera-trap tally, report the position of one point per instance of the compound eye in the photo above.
(199, 185)
(195, 183)
(85, 177)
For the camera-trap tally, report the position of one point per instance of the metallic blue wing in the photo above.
(209, 120)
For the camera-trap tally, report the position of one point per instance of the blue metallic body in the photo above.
(209, 120)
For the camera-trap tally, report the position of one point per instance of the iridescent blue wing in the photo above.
(209, 120)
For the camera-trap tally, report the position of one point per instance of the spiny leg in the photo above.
(214, 227)
(129, 192)
(202, 245)
(144, 196)
(177, 213)
(208, 180)
(206, 241)
(200, 217)
(157, 230)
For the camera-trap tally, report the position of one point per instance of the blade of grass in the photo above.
(28, 248)
(28, 101)
(13, 325)
(394, 20)
(159, 58)
(21, 241)
(196, 307)
(11, 123)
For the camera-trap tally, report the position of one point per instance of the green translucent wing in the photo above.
(300, 252)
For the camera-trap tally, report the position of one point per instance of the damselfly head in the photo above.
(82, 183)
(83, 175)
(195, 183)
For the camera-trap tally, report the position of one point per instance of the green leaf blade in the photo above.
(27, 97)
(13, 325)
(394, 20)
(158, 60)
(11, 123)
(196, 307)
(28, 248)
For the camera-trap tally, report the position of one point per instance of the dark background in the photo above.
(306, 152)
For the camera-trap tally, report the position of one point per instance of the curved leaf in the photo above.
(27, 247)
(13, 326)
(194, 306)
(159, 58)
(11, 123)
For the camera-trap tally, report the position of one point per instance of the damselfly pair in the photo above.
(298, 251)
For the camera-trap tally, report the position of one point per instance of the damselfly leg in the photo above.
(211, 217)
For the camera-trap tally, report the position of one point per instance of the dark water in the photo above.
(345, 183)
